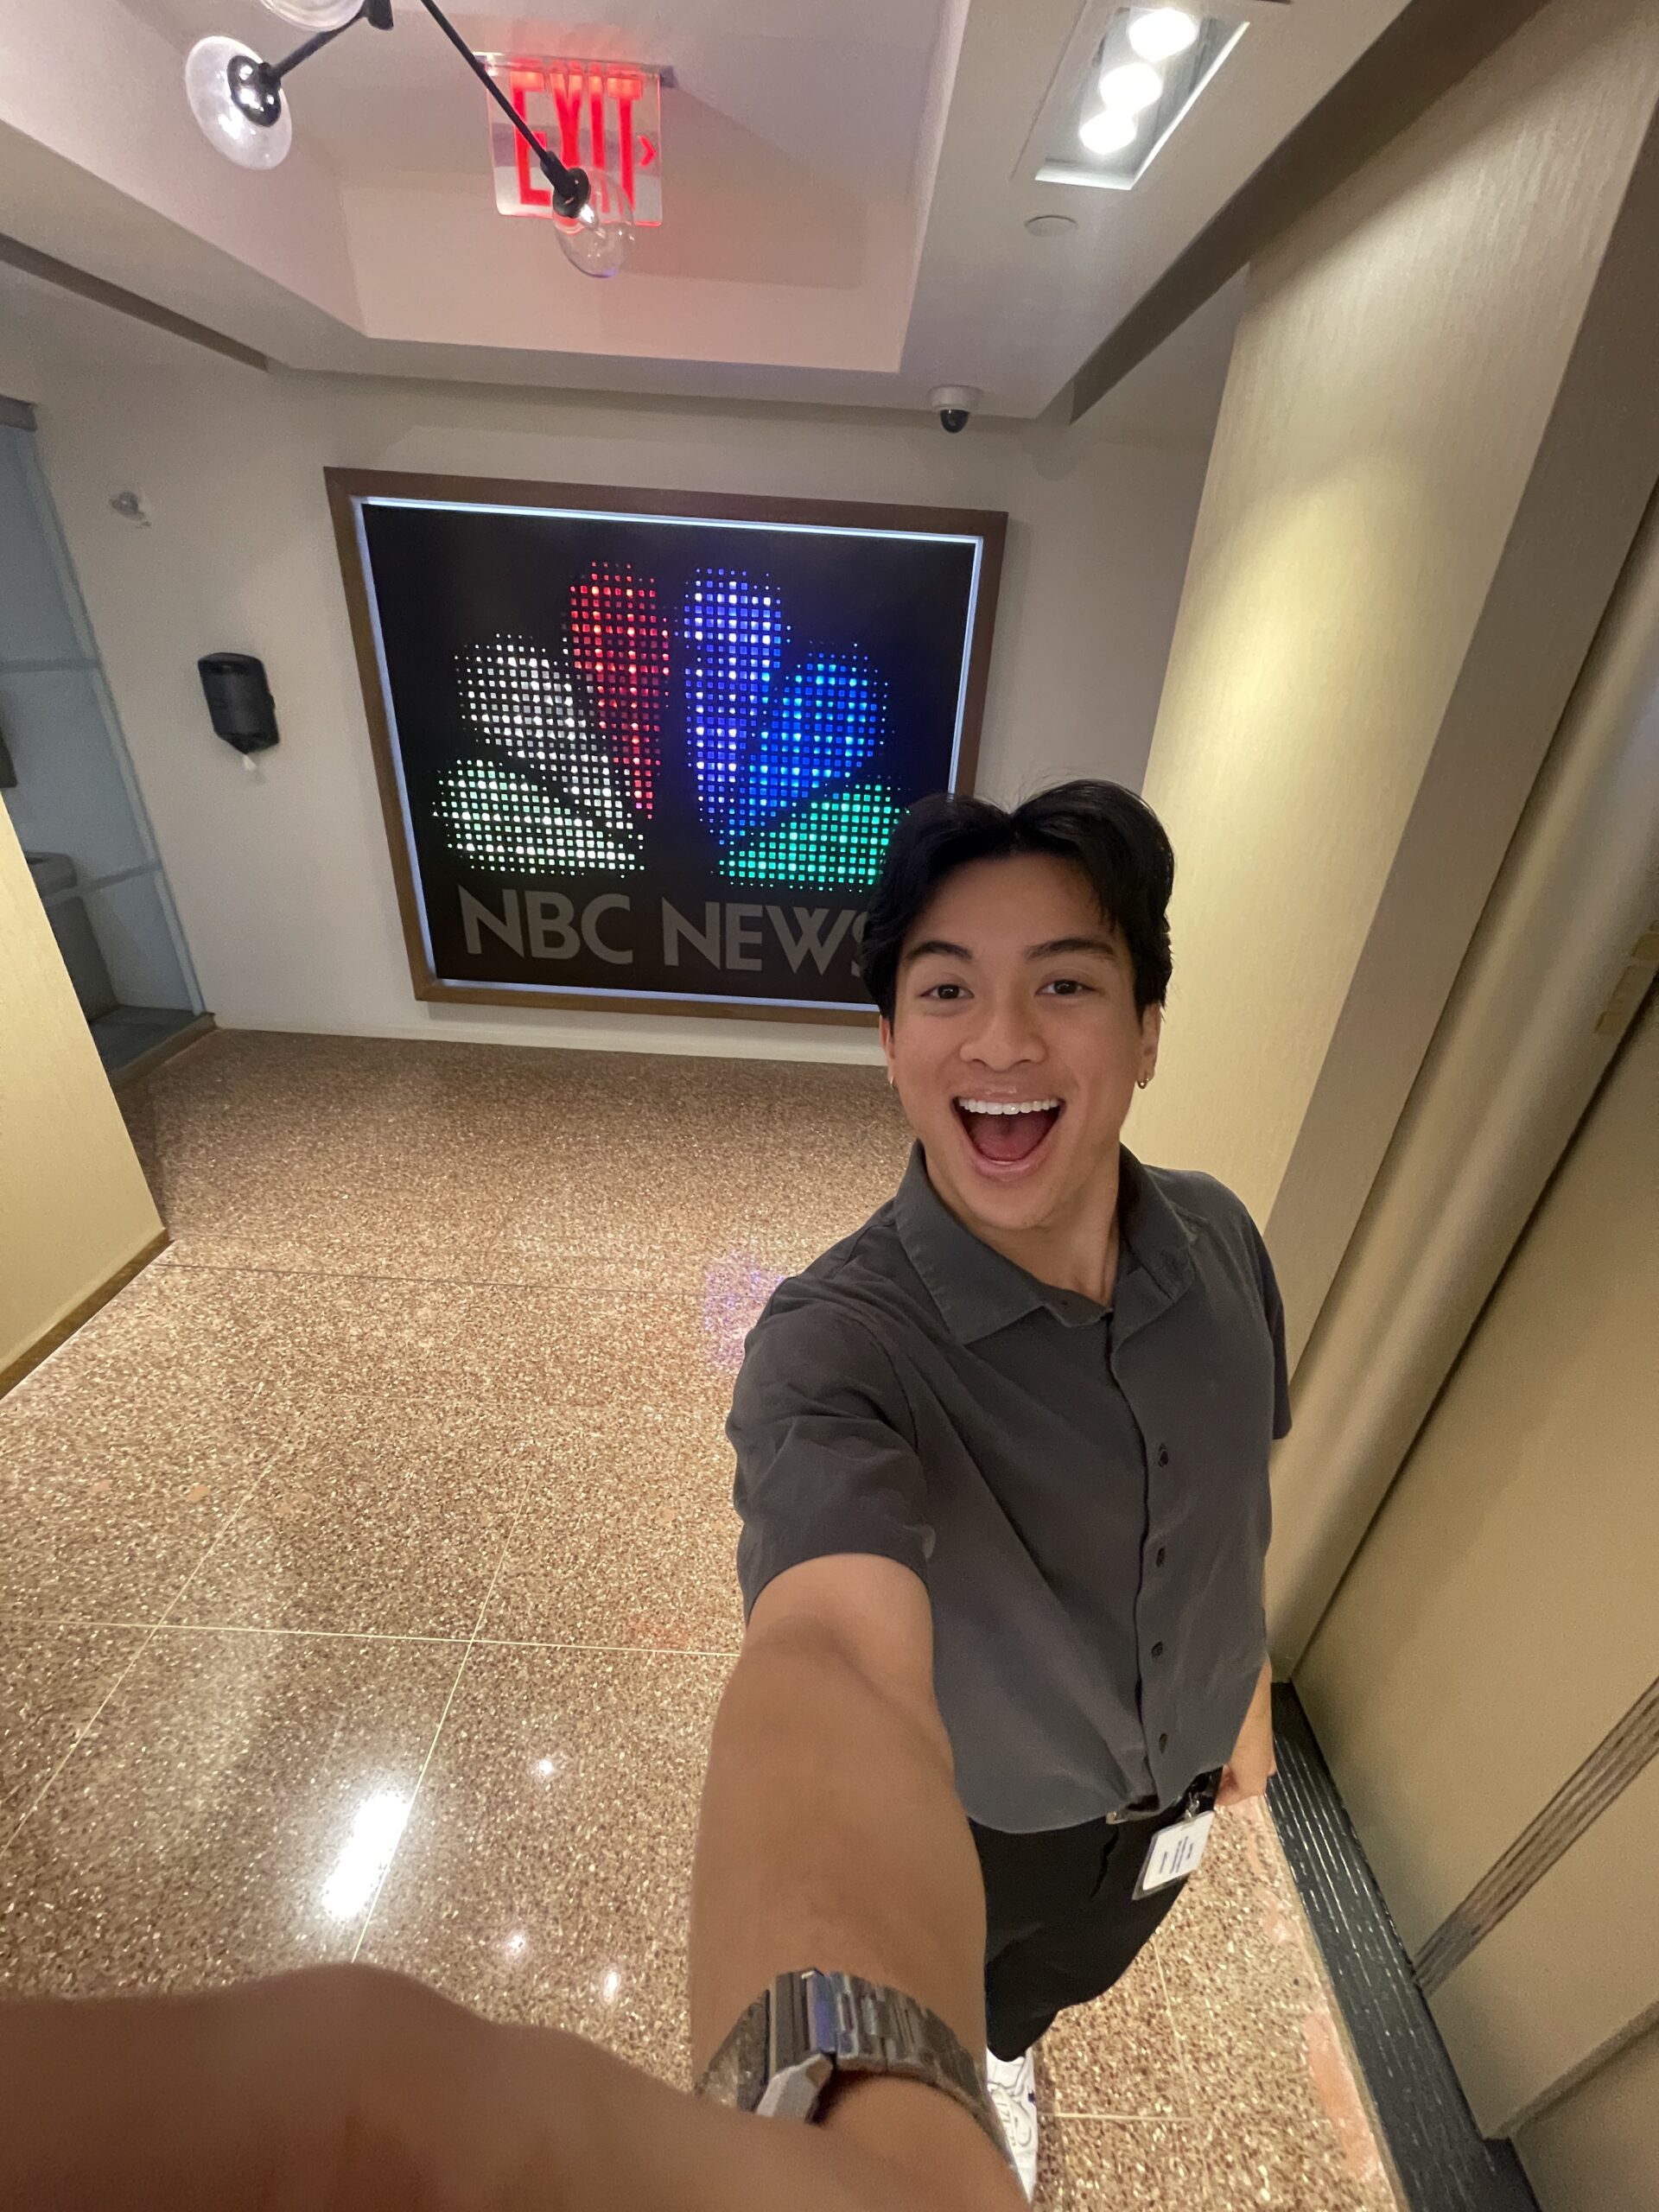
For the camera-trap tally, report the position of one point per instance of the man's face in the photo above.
(1014, 992)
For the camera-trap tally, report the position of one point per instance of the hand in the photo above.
(1246, 1773)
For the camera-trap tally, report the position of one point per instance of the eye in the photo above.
(947, 993)
(1067, 987)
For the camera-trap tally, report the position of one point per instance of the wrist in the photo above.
(922, 2136)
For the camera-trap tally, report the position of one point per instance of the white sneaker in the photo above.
(1012, 2085)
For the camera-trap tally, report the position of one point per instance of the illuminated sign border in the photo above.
(350, 489)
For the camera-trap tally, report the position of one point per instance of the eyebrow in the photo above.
(941, 948)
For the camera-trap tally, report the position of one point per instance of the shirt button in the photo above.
(1157, 1650)
(1163, 1455)
(1163, 1553)
(1163, 1742)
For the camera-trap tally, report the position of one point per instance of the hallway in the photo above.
(368, 1585)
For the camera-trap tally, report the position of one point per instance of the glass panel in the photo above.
(131, 924)
(70, 796)
(39, 617)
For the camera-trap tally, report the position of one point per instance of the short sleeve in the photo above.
(1274, 1306)
(825, 1458)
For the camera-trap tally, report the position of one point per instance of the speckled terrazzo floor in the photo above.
(367, 1585)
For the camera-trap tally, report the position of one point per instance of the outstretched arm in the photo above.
(832, 1836)
(347, 2090)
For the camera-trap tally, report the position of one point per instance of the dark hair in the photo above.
(1113, 836)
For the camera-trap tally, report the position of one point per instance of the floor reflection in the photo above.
(368, 1585)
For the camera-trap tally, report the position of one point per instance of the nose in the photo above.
(1007, 1035)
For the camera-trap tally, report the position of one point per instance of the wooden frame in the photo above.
(347, 485)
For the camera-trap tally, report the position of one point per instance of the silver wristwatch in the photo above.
(810, 2027)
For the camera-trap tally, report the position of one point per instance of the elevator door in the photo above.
(1485, 1684)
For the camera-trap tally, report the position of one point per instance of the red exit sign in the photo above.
(603, 117)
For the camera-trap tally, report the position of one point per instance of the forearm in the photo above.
(343, 2090)
(831, 1835)
(1249, 1770)
(182, 2104)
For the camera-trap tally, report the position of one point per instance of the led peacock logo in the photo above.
(784, 745)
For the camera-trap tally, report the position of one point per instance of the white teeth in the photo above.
(991, 1106)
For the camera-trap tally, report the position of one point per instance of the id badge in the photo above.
(1174, 1851)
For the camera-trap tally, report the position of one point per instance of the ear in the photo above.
(883, 1030)
(1152, 1030)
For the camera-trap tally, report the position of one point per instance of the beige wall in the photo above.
(280, 876)
(1598, 2149)
(1499, 1619)
(73, 1204)
(1433, 452)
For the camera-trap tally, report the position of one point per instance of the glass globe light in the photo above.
(598, 239)
(316, 14)
(1156, 33)
(245, 121)
(1131, 87)
(1109, 131)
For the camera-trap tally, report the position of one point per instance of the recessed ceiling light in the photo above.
(1109, 132)
(1157, 34)
(1152, 61)
(1049, 226)
(1131, 87)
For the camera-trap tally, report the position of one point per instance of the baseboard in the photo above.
(1444, 2163)
(61, 1331)
(170, 1048)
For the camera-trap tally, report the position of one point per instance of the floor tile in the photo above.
(546, 1872)
(114, 1485)
(606, 1337)
(1103, 2165)
(273, 1159)
(228, 1814)
(1257, 2027)
(1118, 2057)
(395, 1244)
(627, 1536)
(346, 1335)
(621, 1209)
(52, 1680)
(1262, 2159)
(385, 1516)
(252, 1335)
(701, 1185)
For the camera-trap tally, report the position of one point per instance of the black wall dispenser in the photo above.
(239, 698)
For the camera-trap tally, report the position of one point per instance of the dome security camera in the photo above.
(956, 402)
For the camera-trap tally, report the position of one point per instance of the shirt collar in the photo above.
(979, 1290)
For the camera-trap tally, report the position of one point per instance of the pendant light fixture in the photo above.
(239, 104)
(316, 14)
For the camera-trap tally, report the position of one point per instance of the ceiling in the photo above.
(844, 200)
(836, 85)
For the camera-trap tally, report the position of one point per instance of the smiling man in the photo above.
(1003, 1468)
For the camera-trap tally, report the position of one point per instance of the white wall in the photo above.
(282, 875)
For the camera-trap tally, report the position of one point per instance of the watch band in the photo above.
(809, 2027)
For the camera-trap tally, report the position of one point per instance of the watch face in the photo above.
(781, 2055)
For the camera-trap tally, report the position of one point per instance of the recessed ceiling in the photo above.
(846, 210)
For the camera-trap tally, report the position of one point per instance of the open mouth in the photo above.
(1008, 1134)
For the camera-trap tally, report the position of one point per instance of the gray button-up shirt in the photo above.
(1083, 1489)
